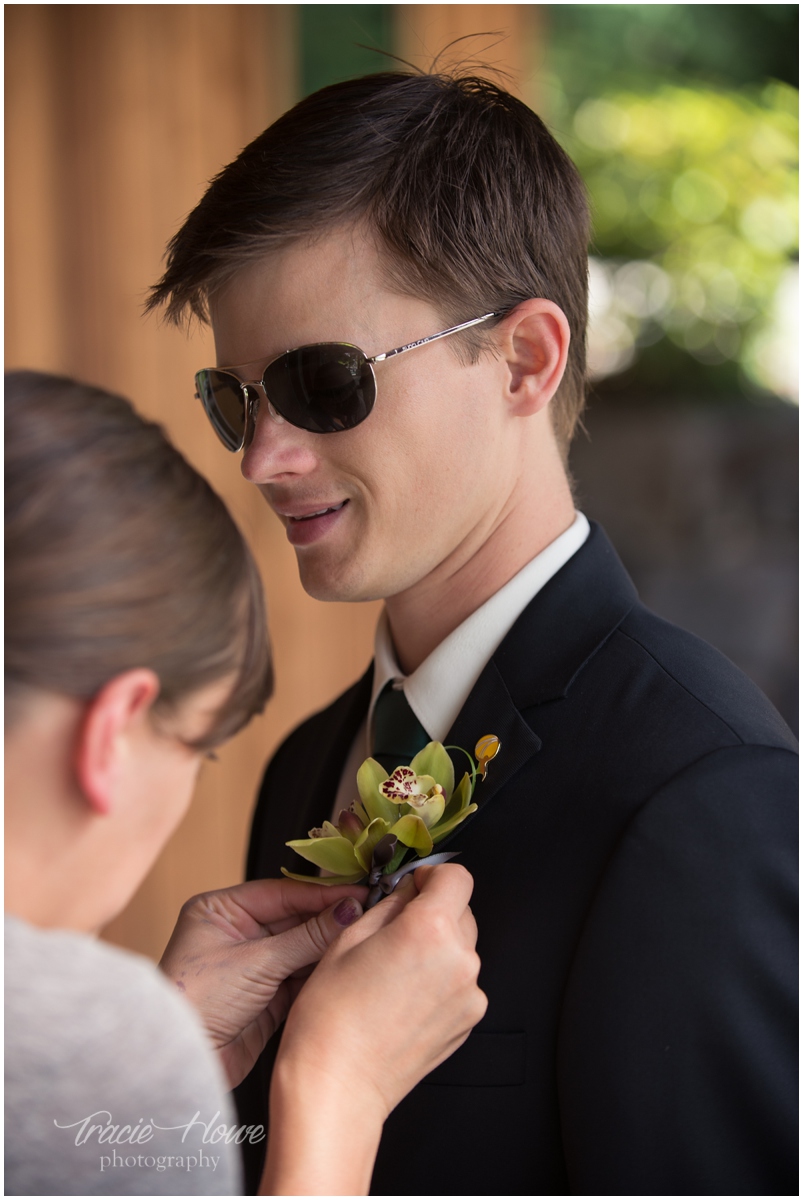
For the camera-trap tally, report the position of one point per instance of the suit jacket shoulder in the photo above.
(711, 679)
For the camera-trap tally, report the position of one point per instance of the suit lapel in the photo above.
(331, 750)
(547, 647)
(565, 624)
(490, 709)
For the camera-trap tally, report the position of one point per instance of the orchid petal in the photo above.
(434, 760)
(349, 825)
(441, 831)
(360, 813)
(324, 880)
(369, 777)
(364, 846)
(327, 830)
(460, 798)
(334, 854)
(432, 811)
(385, 851)
(413, 832)
(427, 808)
(403, 785)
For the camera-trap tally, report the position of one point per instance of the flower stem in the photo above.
(471, 761)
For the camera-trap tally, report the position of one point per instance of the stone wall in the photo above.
(701, 504)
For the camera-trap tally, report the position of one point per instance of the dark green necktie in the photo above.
(398, 733)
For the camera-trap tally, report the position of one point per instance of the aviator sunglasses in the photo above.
(325, 388)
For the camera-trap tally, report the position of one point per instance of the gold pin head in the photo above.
(486, 748)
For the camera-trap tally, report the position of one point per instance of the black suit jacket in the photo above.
(634, 857)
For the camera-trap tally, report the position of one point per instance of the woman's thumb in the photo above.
(305, 944)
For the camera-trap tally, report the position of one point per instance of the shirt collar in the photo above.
(461, 657)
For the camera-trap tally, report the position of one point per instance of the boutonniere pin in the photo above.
(402, 814)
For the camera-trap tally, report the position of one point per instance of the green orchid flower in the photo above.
(417, 806)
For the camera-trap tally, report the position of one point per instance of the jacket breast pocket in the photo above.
(487, 1059)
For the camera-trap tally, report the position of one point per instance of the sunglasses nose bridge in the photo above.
(259, 384)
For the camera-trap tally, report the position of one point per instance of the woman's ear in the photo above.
(535, 345)
(104, 748)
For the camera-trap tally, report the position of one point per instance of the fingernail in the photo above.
(347, 912)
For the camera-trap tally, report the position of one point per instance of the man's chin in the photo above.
(334, 586)
(353, 579)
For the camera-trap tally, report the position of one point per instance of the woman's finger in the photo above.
(269, 901)
(307, 943)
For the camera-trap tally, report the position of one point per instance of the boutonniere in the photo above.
(405, 813)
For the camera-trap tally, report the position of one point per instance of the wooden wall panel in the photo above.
(116, 116)
(492, 37)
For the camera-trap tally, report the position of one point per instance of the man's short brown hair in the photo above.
(476, 205)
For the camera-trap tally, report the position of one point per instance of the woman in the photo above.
(135, 644)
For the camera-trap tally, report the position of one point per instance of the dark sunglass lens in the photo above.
(222, 397)
(324, 388)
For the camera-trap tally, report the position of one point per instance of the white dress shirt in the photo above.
(460, 658)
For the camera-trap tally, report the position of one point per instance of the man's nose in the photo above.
(277, 448)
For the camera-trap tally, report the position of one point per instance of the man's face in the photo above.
(416, 489)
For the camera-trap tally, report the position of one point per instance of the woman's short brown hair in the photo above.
(476, 205)
(119, 555)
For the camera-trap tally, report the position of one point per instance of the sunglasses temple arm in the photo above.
(433, 338)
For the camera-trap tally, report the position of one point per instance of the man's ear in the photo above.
(535, 344)
(104, 745)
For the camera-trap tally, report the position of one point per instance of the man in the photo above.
(634, 846)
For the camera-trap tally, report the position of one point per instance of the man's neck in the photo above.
(422, 616)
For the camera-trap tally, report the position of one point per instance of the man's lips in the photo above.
(307, 523)
(309, 514)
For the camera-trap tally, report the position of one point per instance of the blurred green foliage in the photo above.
(337, 39)
(697, 191)
(693, 184)
(594, 48)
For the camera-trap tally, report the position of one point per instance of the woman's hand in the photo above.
(236, 955)
(393, 997)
